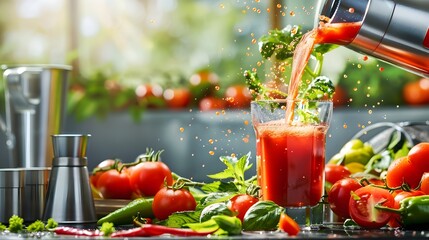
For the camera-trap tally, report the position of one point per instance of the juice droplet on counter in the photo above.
(370, 111)
(292, 13)
(211, 153)
(182, 129)
(344, 125)
(365, 58)
(246, 139)
(246, 122)
(381, 69)
(279, 5)
(351, 10)
(211, 141)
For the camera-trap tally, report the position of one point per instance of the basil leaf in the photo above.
(232, 225)
(262, 216)
(179, 219)
(215, 209)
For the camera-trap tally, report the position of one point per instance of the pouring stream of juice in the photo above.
(337, 33)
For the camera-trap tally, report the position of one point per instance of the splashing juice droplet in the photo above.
(292, 13)
(279, 5)
(344, 126)
(211, 153)
(381, 69)
(365, 58)
(351, 10)
(182, 129)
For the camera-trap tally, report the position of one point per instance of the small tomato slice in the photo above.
(339, 196)
(288, 225)
(168, 201)
(362, 207)
(240, 203)
(402, 171)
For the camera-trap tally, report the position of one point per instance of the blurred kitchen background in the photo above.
(124, 51)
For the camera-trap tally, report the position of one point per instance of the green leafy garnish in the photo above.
(107, 229)
(51, 224)
(16, 224)
(235, 171)
(37, 226)
(263, 215)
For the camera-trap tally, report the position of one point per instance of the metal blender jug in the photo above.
(392, 30)
(35, 103)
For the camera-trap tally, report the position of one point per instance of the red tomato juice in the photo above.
(290, 162)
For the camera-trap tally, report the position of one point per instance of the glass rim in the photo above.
(292, 100)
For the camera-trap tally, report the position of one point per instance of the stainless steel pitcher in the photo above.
(392, 30)
(35, 105)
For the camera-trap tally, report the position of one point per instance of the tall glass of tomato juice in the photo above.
(291, 153)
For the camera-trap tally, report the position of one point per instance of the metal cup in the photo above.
(69, 198)
(23, 192)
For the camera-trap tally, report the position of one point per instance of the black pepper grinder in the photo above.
(69, 197)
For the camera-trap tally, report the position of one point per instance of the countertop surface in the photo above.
(325, 232)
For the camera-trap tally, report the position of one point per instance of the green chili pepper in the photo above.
(414, 212)
(139, 207)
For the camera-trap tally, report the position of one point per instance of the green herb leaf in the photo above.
(179, 219)
(215, 209)
(320, 88)
(235, 169)
(232, 225)
(280, 43)
(262, 216)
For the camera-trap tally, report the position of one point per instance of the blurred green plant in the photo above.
(374, 83)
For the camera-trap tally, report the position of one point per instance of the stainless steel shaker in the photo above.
(69, 197)
(392, 30)
(35, 106)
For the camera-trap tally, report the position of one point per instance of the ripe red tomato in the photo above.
(240, 203)
(147, 178)
(211, 103)
(238, 96)
(115, 185)
(402, 171)
(177, 98)
(335, 172)
(168, 201)
(395, 219)
(339, 196)
(424, 183)
(362, 207)
(288, 225)
(417, 92)
(94, 177)
(419, 155)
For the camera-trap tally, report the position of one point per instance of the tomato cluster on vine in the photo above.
(113, 179)
(377, 203)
